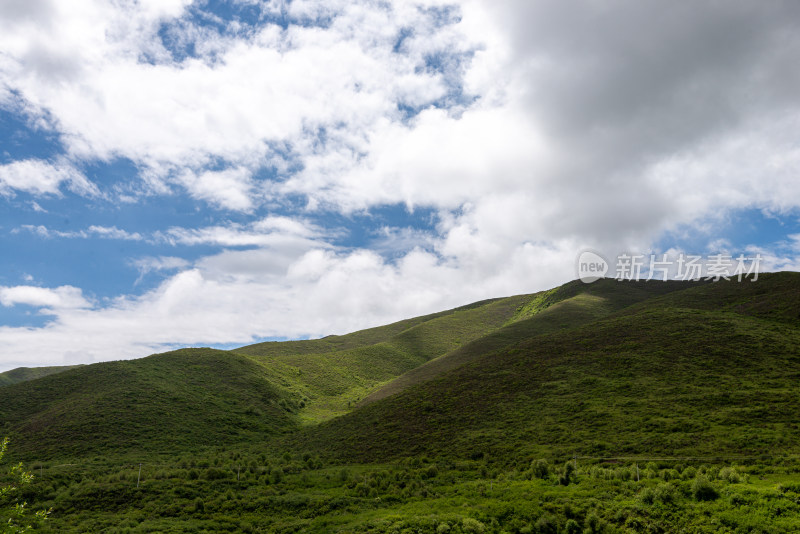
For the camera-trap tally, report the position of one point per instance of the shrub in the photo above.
(216, 474)
(702, 490)
(572, 527)
(541, 469)
(546, 525)
(277, 475)
(594, 524)
(430, 472)
(729, 474)
(671, 474)
(472, 525)
(664, 493)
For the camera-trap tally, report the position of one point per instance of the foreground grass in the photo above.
(245, 492)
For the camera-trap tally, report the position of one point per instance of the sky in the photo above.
(218, 173)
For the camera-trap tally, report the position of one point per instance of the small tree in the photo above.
(541, 469)
(703, 490)
(13, 515)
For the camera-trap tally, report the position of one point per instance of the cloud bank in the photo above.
(529, 130)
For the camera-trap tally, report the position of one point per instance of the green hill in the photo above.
(711, 369)
(460, 379)
(21, 374)
(193, 398)
(331, 382)
(177, 400)
(561, 308)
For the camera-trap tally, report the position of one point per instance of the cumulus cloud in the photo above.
(228, 189)
(119, 91)
(60, 298)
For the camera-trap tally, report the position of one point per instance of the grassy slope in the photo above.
(567, 306)
(197, 397)
(177, 400)
(361, 338)
(330, 383)
(22, 374)
(708, 370)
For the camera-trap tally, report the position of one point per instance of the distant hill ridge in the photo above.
(21, 374)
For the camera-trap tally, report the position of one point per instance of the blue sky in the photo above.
(178, 173)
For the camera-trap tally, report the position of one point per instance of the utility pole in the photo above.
(140, 476)
(238, 470)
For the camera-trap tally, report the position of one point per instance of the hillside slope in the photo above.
(330, 383)
(561, 308)
(711, 369)
(178, 400)
(199, 397)
(22, 374)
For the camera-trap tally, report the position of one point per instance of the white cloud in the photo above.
(160, 263)
(228, 189)
(112, 232)
(173, 119)
(60, 298)
(41, 178)
(269, 231)
(103, 232)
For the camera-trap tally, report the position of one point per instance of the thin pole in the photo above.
(140, 476)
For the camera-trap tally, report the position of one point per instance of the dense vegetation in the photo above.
(610, 407)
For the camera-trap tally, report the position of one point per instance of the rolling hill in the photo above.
(181, 399)
(192, 398)
(710, 369)
(606, 368)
